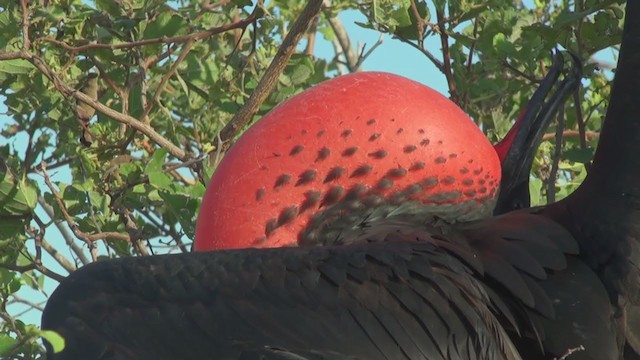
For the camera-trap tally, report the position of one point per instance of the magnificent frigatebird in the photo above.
(406, 287)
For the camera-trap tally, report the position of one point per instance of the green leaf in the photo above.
(184, 86)
(9, 228)
(8, 29)
(473, 11)
(407, 22)
(154, 195)
(57, 342)
(242, 3)
(6, 19)
(165, 25)
(502, 45)
(51, 13)
(535, 187)
(154, 170)
(401, 15)
(6, 343)
(9, 282)
(160, 180)
(157, 161)
(17, 197)
(567, 17)
(579, 155)
(100, 201)
(183, 207)
(74, 198)
(121, 247)
(110, 6)
(16, 66)
(302, 70)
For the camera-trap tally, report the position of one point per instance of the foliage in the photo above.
(171, 75)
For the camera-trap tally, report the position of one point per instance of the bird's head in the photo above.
(518, 148)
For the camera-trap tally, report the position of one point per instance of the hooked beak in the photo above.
(518, 149)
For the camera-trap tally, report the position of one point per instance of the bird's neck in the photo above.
(604, 212)
(616, 164)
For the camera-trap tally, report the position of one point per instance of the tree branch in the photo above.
(572, 133)
(446, 56)
(350, 56)
(270, 78)
(59, 258)
(26, 45)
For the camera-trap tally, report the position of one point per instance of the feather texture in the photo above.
(440, 292)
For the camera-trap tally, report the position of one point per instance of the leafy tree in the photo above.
(173, 84)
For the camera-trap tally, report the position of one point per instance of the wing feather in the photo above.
(449, 292)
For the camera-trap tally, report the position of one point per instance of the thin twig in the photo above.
(446, 56)
(167, 230)
(167, 168)
(135, 233)
(437, 63)
(205, 7)
(531, 78)
(151, 61)
(472, 49)
(103, 75)
(165, 78)
(572, 133)
(28, 153)
(161, 40)
(123, 118)
(364, 55)
(36, 264)
(182, 178)
(570, 351)
(89, 239)
(26, 42)
(64, 232)
(19, 299)
(579, 117)
(54, 165)
(555, 158)
(419, 23)
(33, 266)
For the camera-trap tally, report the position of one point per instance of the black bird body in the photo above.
(437, 292)
(529, 284)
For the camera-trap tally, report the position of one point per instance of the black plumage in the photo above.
(438, 292)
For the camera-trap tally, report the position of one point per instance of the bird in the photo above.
(84, 112)
(448, 282)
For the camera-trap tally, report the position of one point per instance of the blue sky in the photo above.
(392, 55)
